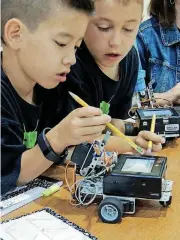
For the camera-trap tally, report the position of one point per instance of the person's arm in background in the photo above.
(173, 95)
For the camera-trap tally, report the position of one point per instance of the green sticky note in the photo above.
(30, 139)
(104, 106)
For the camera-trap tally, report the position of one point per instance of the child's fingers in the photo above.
(149, 136)
(141, 142)
(91, 130)
(144, 144)
(93, 137)
(89, 138)
(87, 111)
(94, 121)
(157, 147)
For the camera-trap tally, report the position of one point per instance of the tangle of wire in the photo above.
(77, 193)
(77, 185)
(89, 178)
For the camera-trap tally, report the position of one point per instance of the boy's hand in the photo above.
(145, 136)
(81, 125)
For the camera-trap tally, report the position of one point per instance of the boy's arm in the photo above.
(17, 163)
(119, 124)
(33, 163)
(121, 146)
(142, 138)
(118, 144)
(20, 165)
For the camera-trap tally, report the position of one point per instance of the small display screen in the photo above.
(138, 165)
(159, 113)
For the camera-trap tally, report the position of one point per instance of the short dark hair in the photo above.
(164, 11)
(32, 12)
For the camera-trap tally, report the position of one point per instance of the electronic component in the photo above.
(143, 98)
(83, 154)
(167, 121)
(136, 176)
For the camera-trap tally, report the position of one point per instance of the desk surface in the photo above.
(150, 222)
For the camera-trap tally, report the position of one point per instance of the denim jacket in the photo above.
(140, 84)
(159, 50)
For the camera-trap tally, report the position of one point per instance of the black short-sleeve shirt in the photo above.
(17, 114)
(88, 81)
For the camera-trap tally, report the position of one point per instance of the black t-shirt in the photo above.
(17, 114)
(88, 81)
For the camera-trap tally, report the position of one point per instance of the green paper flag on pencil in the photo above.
(104, 106)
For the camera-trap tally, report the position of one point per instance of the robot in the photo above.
(167, 117)
(118, 180)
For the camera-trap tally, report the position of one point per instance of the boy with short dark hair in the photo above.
(40, 38)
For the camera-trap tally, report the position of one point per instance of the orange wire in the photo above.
(74, 177)
(104, 156)
(148, 100)
(66, 180)
(109, 160)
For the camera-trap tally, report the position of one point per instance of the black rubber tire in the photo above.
(166, 204)
(117, 204)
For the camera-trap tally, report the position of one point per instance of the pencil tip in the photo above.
(72, 94)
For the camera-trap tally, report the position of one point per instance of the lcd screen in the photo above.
(138, 165)
(159, 113)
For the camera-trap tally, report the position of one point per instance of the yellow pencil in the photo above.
(153, 123)
(110, 126)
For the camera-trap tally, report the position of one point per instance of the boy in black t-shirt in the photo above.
(39, 42)
(107, 63)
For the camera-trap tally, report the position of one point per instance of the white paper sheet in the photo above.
(39, 226)
(20, 200)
